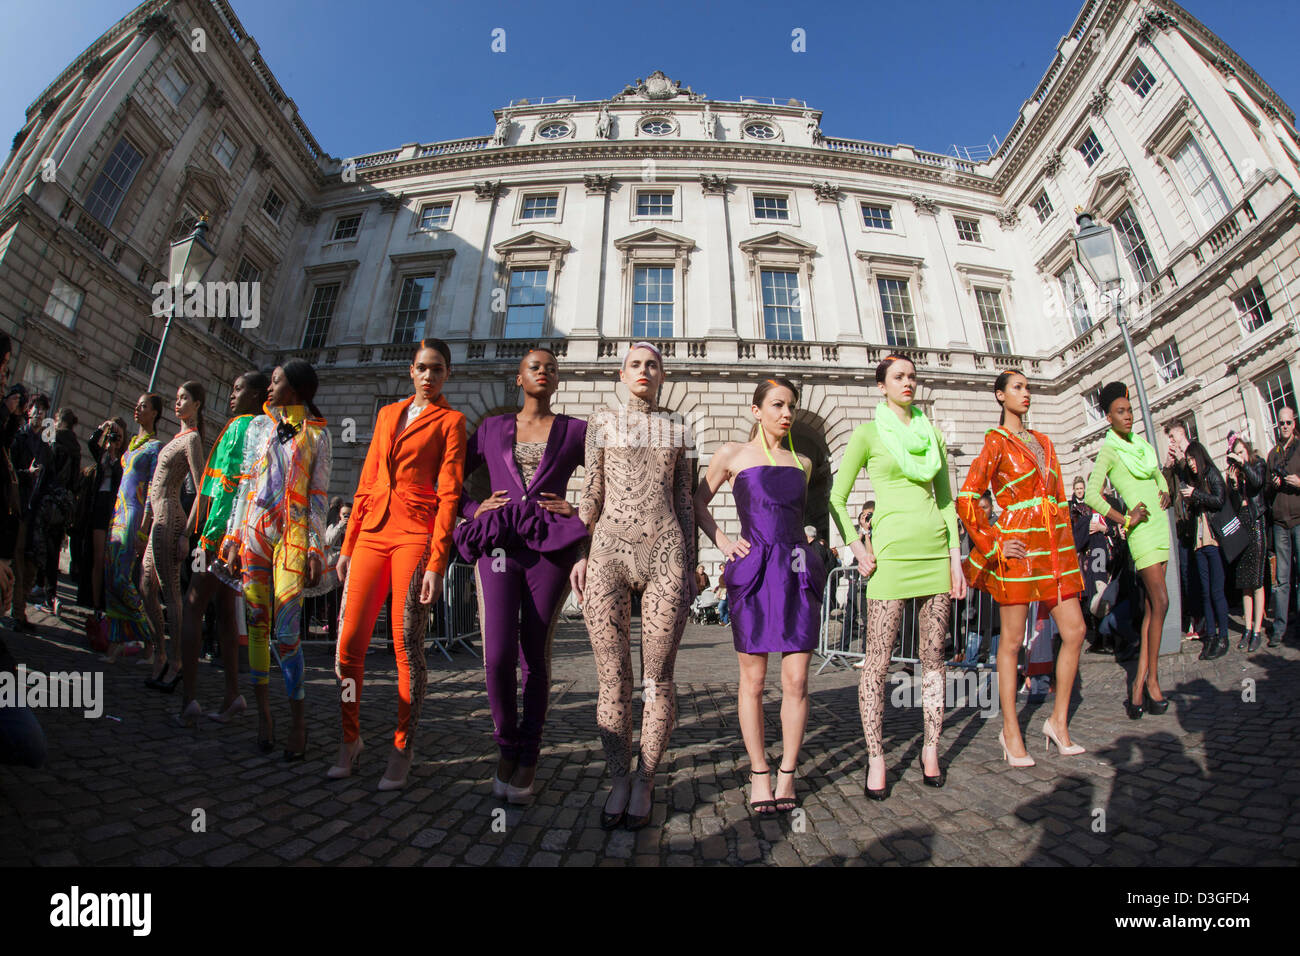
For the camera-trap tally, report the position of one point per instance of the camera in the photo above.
(1279, 471)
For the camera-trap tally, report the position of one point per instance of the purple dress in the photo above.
(775, 591)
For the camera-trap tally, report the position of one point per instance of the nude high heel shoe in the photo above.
(399, 765)
(1025, 761)
(349, 757)
(1050, 737)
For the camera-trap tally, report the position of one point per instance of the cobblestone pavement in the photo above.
(1210, 782)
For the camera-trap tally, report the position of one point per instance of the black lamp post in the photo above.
(189, 262)
(1095, 248)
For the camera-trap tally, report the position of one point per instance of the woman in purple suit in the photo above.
(523, 541)
(774, 581)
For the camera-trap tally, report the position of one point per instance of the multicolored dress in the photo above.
(127, 538)
(1032, 508)
(221, 478)
(278, 523)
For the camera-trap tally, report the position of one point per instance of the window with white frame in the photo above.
(320, 314)
(1090, 148)
(346, 227)
(1188, 422)
(650, 203)
(1252, 307)
(994, 321)
(1169, 364)
(1139, 79)
(173, 85)
(771, 207)
(968, 230)
(782, 316)
(1134, 241)
(1076, 303)
(40, 379)
(877, 217)
(1276, 392)
(144, 353)
(545, 206)
(64, 302)
(246, 271)
(526, 303)
(106, 195)
(225, 149)
(273, 205)
(1092, 405)
(435, 215)
(652, 302)
(1206, 192)
(896, 308)
(413, 305)
(1043, 207)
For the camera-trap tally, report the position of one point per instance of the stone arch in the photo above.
(808, 435)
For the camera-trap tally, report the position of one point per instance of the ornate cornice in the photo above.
(1224, 67)
(1154, 21)
(93, 67)
(155, 23)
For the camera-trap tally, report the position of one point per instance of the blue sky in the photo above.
(370, 76)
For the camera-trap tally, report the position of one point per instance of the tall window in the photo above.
(245, 272)
(526, 304)
(1276, 392)
(1206, 192)
(541, 207)
(413, 307)
(319, 315)
(347, 227)
(273, 205)
(144, 353)
(1043, 206)
(1169, 364)
(994, 321)
(654, 204)
(782, 317)
(968, 230)
(106, 195)
(896, 306)
(173, 85)
(652, 302)
(1076, 304)
(1090, 148)
(64, 302)
(435, 215)
(40, 378)
(1135, 246)
(1092, 405)
(877, 217)
(226, 149)
(771, 207)
(1140, 79)
(1252, 307)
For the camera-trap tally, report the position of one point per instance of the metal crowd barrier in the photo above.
(454, 619)
(974, 626)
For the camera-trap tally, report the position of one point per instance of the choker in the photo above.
(285, 431)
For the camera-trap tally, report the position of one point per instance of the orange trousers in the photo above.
(381, 563)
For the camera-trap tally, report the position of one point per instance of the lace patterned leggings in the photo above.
(883, 621)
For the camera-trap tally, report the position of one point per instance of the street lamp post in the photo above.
(1095, 249)
(189, 262)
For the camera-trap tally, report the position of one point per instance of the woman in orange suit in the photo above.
(399, 540)
(1028, 556)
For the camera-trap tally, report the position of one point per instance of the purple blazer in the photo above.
(521, 524)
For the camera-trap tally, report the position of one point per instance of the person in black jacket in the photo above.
(1203, 498)
(8, 481)
(31, 458)
(1245, 489)
(106, 447)
(57, 501)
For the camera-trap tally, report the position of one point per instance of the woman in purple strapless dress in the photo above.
(774, 581)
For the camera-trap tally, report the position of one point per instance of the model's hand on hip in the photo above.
(866, 558)
(1015, 549)
(557, 505)
(578, 578)
(1140, 514)
(431, 588)
(498, 499)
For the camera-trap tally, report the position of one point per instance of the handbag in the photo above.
(97, 633)
(1233, 536)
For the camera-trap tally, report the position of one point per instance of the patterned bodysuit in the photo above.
(637, 494)
(162, 559)
(127, 618)
(278, 523)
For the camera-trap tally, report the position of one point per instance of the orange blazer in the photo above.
(411, 482)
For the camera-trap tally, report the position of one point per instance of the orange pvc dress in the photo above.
(1033, 508)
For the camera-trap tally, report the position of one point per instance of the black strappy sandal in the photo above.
(764, 808)
(785, 804)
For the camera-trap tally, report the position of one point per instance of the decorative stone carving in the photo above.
(1224, 67)
(502, 131)
(597, 184)
(1271, 110)
(261, 159)
(826, 192)
(48, 108)
(92, 68)
(19, 137)
(154, 23)
(604, 122)
(390, 203)
(708, 122)
(1008, 217)
(924, 204)
(1100, 100)
(1053, 164)
(309, 214)
(814, 127)
(215, 97)
(713, 184)
(487, 190)
(1154, 20)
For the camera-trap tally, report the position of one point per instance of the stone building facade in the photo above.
(733, 233)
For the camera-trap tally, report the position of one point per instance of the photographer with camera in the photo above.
(1283, 491)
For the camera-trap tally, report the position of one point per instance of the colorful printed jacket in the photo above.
(221, 477)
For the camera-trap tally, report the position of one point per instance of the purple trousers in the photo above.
(520, 594)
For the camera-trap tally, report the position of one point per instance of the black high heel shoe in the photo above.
(785, 804)
(1133, 710)
(936, 781)
(1156, 707)
(267, 744)
(291, 755)
(167, 686)
(609, 821)
(880, 794)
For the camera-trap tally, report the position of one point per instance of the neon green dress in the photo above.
(1148, 543)
(914, 525)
